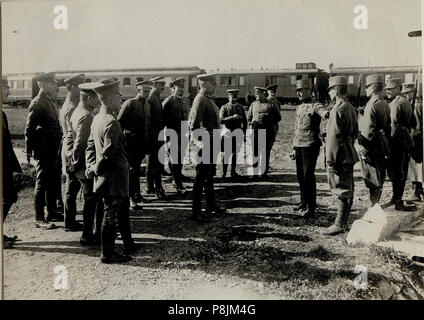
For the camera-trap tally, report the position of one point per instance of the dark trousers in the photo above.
(227, 156)
(154, 168)
(306, 160)
(400, 163)
(134, 186)
(45, 192)
(203, 179)
(176, 163)
(93, 209)
(72, 187)
(262, 151)
(116, 210)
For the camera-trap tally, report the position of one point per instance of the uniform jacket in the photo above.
(65, 114)
(155, 116)
(204, 113)
(263, 114)
(133, 117)
(42, 131)
(106, 156)
(307, 125)
(401, 114)
(228, 111)
(375, 127)
(174, 111)
(10, 164)
(342, 130)
(418, 112)
(76, 139)
(275, 100)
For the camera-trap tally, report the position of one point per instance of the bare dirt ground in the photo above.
(253, 253)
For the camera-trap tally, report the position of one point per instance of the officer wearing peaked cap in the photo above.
(373, 138)
(72, 185)
(402, 122)
(415, 171)
(306, 145)
(43, 137)
(232, 117)
(342, 130)
(155, 121)
(106, 162)
(76, 144)
(263, 115)
(205, 118)
(133, 118)
(174, 113)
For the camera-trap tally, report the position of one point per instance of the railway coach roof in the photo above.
(269, 71)
(375, 69)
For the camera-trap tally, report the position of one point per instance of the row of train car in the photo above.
(23, 88)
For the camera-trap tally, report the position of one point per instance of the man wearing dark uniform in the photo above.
(76, 145)
(415, 172)
(72, 185)
(373, 138)
(342, 130)
(106, 161)
(43, 137)
(154, 167)
(306, 146)
(174, 112)
(272, 91)
(263, 115)
(133, 119)
(402, 122)
(232, 117)
(11, 166)
(204, 118)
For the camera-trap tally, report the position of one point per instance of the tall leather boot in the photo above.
(336, 227)
(415, 195)
(374, 197)
(346, 213)
(224, 170)
(234, 174)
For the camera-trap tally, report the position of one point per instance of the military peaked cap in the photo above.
(408, 87)
(88, 88)
(373, 78)
(233, 91)
(46, 77)
(337, 81)
(393, 83)
(206, 76)
(107, 86)
(157, 79)
(77, 79)
(259, 88)
(272, 87)
(303, 84)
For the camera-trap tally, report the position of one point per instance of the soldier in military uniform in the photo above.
(263, 115)
(174, 112)
(402, 122)
(72, 185)
(154, 167)
(342, 130)
(232, 117)
(205, 118)
(76, 144)
(415, 171)
(133, 119)
(373, 138)
(106, 161)
(43, 138)
(306, 146)
(11, 167)
(272, 91)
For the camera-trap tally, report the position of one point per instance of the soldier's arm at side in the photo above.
(197, 112)
(31, 125)
(110, 142)
(124, 113)
(321, 111)
(243, 118)
(335, 128)
(250, 113)
(277, 113)
(369, 128)
(394, 115)
(80, 142)
(90, 156)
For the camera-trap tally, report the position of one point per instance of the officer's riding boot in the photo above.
(150, 178)
(39, 203)
(224, 170)
(346, 214)
(234, 174)
(374, 197)
(336, 227)
(420, 188)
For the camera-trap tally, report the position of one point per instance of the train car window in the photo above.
(224, 81)
(26, 84)
(231, 81)
(292, 80)
(138, 79)
(194, 82)
(387, 77)
(126, 82)
(409, 77)
(241, 81)
(351, 80)
(14, 84)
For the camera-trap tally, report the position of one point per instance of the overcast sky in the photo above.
(208, 34)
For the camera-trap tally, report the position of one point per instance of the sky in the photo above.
(223, 34)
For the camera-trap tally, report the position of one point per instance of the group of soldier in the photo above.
(100, 146)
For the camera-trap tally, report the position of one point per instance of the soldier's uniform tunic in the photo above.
(43, 137)
(306, 144)
(263, 114)
(226, 115)
(374, 134)
(402, 121)
(205, 115)
(154, 167)
(133, 118)
(415, 164)
(76, 145)
(106, 157)
(174, 112)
